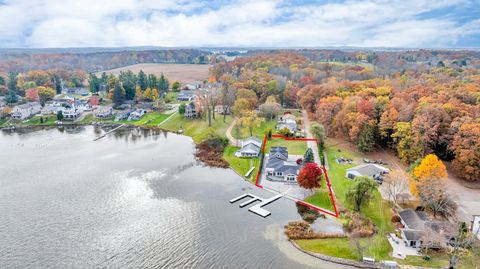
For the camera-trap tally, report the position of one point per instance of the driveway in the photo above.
(311, 144)
(290, 190)
(468, 200)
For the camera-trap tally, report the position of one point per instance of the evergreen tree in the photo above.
(2, 81)
(151, 81)
(142, 80)
(128, 80)
(12, 82)
(163, 83)
(181, 109)
(94, 83)
(58, 84)
(11, 97)
(103, 79)
(308, 156)
(59, 115)
(118, 95)
(76, 81)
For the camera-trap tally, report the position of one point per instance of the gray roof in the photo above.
(288, 123)
(412, 235)
(251, 148)
(252, 140)
(279, 153)
(412, 219)
(368, 170)
(278, 160)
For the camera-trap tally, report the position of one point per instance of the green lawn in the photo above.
(259, 131)
(35, 120)
(171, 97)
(378, 211)
(436, 261)
(240, 165)
(321, 198)
(198, 129)
(294, 147)
(149, 119)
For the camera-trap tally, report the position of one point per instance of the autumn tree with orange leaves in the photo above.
(429, 172)
(309, 176)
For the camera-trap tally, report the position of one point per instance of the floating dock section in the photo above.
(257, 209)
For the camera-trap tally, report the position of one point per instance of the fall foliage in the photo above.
(309, 176)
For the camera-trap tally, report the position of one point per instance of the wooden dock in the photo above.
(111, 131)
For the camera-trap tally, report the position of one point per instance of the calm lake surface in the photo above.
(134, 199)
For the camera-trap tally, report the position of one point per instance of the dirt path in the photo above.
(233, 141)
(310, 144)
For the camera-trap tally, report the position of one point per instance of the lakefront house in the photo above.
(280, 167)
(250, 147)
(191, 110)
(25, 111)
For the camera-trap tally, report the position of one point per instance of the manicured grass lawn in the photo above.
(240, 165)
(150, 119)
(436, 261)
(337, 247)
(321, 198)
(198, 129)
(35, 120)
(378, 211)
(294, 147)
(259, 131)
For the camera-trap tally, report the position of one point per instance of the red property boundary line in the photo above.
(334, 214)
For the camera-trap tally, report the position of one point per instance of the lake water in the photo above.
(134, 199)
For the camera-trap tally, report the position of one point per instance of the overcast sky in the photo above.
(171, 23)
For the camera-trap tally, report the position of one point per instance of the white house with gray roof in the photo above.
(370, 170)
(25, 111)
(288, 123)
(250, 147)
(280, 167)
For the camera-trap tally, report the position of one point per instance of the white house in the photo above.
(250, 148)
(25, 111)
(104, 112)
(191, 111)
(137, 114)
(70, 113)
(280, 168)
(476, 225)
(288, 123)
(370, 170)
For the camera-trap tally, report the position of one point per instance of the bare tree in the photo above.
(464, 240)
(434, 196)
(228, 97)
(396, 184)
(208, 97)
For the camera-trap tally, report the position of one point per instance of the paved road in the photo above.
(468, 200)
(311, 144)
(228, 133)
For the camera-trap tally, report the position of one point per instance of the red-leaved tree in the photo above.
(309, 176)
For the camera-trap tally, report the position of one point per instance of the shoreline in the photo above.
(319, 256)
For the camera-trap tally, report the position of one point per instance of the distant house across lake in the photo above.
(25, 111)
